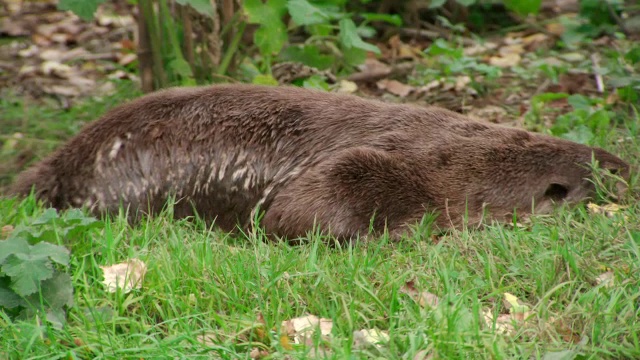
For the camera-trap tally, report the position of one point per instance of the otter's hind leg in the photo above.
(343, 194)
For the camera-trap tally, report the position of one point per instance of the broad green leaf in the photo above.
(46, 217)
(265, 80)
(354, 56)
(264, 13)
(77, 217)
(389, 18)
(309, 55)
(434, 4)
(633, 55)
(350, 39)
(599, 120)
(270, 38)
(468, 2)
(13, 245)
(202, 6)
(304, 13)
(56, 317)
(579, 102)
(315, 82)
(8, 298)
(58, 291)
(83, 8)
(45, 250)
(581, 134)
(523, 7)
(26, 274)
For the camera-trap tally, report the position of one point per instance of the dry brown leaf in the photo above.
(423, 298)
(573, 57)
(477, 49)
(503, 322)
(505, 61)
(429, 86)
(462, 82)
(374, 66)
(394, 87)
(127, 275)
(511, 49)
(54, 68)
(423, 355)
(515, 305)
(208, 338)
(534, 39)
(490, 113)
(401, 50)
(127, 59)
(606, 279)
(556, 29)
(6, 231)
(256, 353)
(302, 328)
(368, 337)
(346, 86)
(609, 210)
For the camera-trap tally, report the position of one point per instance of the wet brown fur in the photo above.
(308, 158)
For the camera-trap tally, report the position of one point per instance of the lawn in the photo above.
(560, 286)
(208, 294)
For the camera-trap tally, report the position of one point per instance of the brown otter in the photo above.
(307, 157)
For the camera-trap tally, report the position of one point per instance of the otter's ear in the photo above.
(556, 192)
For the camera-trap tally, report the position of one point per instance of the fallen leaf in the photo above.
(511, 49)
(572, 57)
(477, 49)
(605, 279)
(127, 59)
(503, 323)
(6, 231)
(434, 84)
(256, 353)
(423, 355)
(348, 87)
(54, 68)
(127, 275)
(534, 39)
(555, 28)
(368, 337)
(514, 304)
(462, 82)
(395, 87)
(507, 60)
(208, 338)
(423, 298)
(302, 328)
(608, 210)
(374, 67)
(490, 113)
(401, 50)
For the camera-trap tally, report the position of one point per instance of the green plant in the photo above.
(334, 38)
(32, 276)
(521, 7)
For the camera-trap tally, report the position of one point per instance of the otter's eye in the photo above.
(556, 192)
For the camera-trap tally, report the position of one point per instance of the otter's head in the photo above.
(532, 173)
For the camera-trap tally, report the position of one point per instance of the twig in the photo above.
(596, 72)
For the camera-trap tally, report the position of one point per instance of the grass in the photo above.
(210, 295)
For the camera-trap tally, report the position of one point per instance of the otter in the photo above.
(300, 159)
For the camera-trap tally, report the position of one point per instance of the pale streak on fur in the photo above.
(117, 144)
